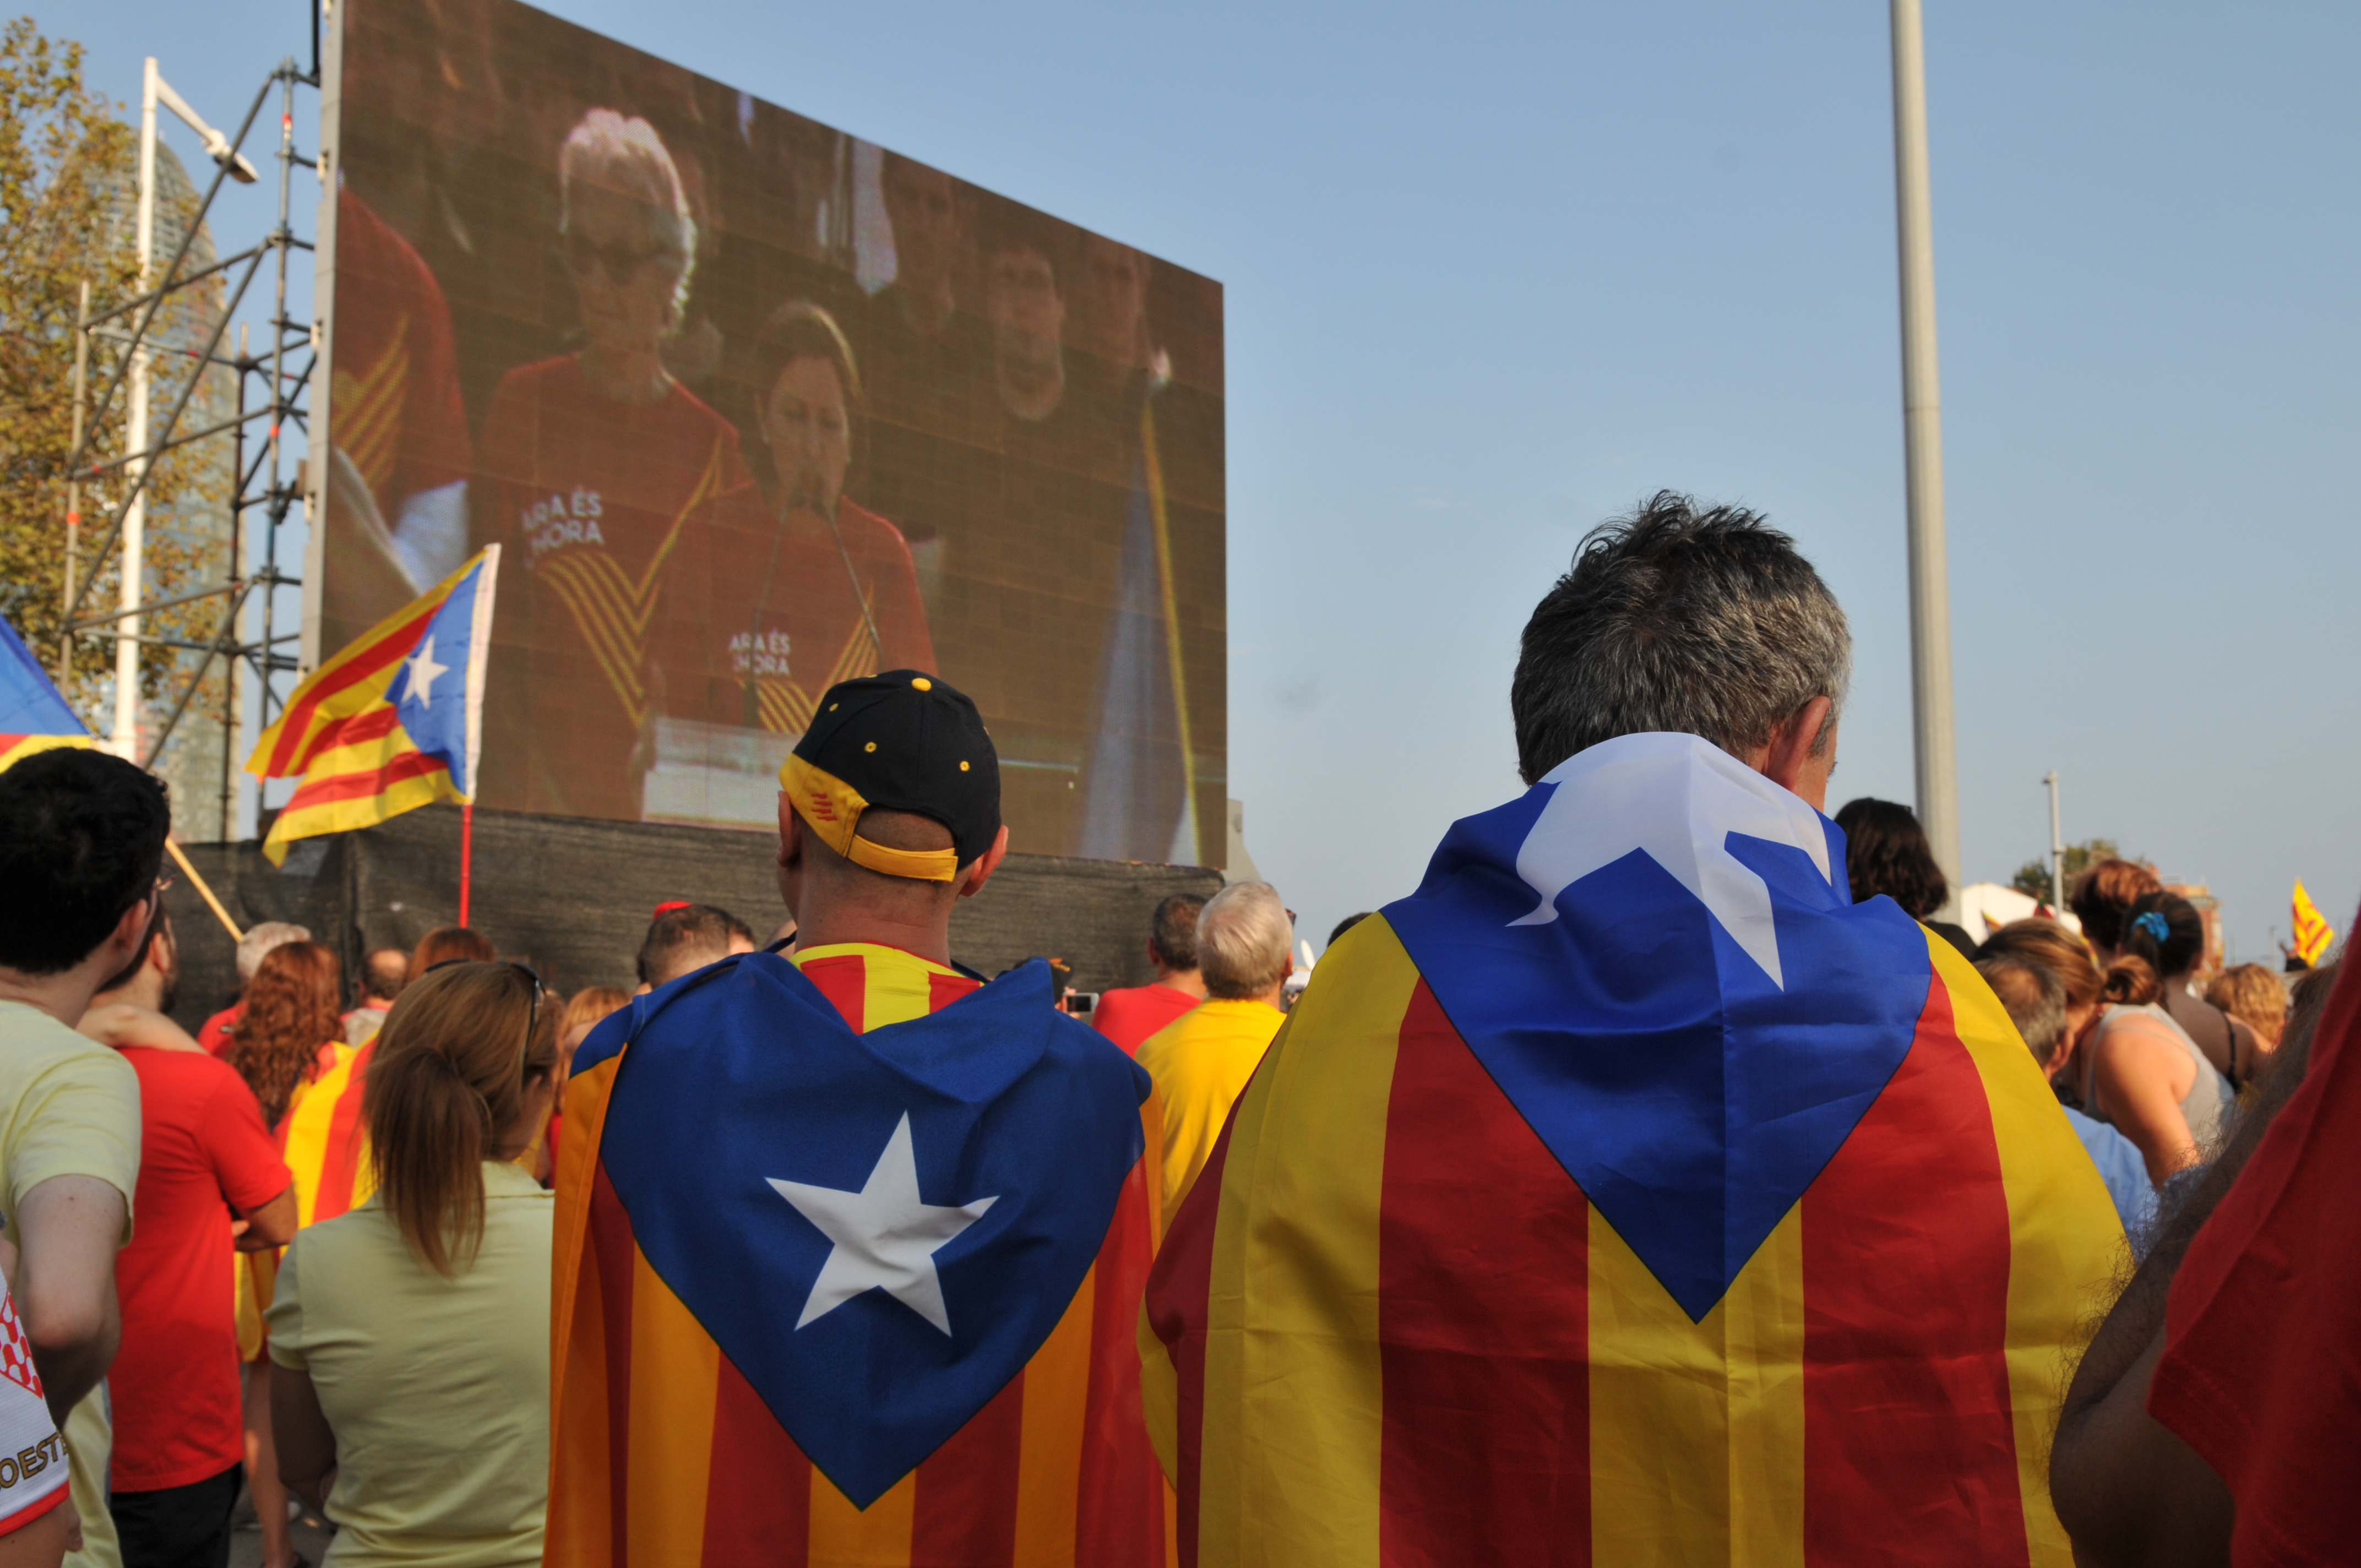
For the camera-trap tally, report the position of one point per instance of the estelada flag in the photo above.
(1629, 1195)
(394, 722)
(827, 1296)
(2314, 934)
(33, 717)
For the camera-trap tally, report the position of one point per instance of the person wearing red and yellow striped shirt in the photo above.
(851, 1246)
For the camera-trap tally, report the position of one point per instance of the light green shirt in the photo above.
(437, 1391)
(69, 1106)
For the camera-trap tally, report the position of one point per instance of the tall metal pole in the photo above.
(1922, 441)
(2056, 847)
(135, 473)
(73, 485)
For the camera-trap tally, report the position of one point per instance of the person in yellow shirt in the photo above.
(1201, 1062)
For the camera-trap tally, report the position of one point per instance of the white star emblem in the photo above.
(1679, 798)
(885, 1238)
(425, 672)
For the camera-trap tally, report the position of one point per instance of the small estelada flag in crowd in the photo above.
(33, 717)
(2313, 936)
(394, 722)
(1630, 1192)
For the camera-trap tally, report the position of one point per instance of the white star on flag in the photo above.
(425, 672)
(885, 1239)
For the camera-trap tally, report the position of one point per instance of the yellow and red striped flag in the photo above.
(393, 721)
(33, 717)
(1628, 1195)
(738, 1377)
(2313, 936)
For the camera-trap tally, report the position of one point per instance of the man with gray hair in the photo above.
(1627, 1191)
(1202, 1061)
(259, 941)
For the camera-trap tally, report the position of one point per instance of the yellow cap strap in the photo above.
(833, 809)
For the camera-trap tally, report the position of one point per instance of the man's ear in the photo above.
(791, 829)
(980, 870)
(1793, 742)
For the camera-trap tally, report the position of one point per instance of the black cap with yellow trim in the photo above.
(904, 740)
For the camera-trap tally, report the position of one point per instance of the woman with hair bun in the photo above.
(2166, 931)
(410, 1337)
(2142, 1071)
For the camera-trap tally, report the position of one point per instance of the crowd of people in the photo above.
(467, 1268)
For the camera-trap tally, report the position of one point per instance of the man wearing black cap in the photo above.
(889, 813)
(856, 1239)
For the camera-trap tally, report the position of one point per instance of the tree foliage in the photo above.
(2032, 878)
(67, 193)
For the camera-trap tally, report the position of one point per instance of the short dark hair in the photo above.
(82, 840)
(692, 928)
(1886, 852)
(801, 330)
(2034, 997)
(385, 972)
(1347, 924)
(1701, 622)
(1173, 929)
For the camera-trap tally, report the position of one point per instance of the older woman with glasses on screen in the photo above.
(604, 475)
(409, 1338)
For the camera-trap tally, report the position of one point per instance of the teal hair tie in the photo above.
(2154, 924)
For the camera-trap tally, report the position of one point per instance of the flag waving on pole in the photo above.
(395, 720)
(33, 717)
(2314, 934)
(1629, 1195)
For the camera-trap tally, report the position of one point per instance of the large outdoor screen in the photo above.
(752, 406)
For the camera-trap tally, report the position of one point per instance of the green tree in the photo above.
(2032, 878)
(66, 181)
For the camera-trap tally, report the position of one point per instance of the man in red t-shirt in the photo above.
(203, 1155)
(1129, 1016)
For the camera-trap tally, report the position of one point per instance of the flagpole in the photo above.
(1922, 443)
(204, 892)
(467, 854)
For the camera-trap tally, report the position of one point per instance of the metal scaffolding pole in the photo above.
(148, 437)
(1922, 438)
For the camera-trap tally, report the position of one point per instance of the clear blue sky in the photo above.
(1494, 271)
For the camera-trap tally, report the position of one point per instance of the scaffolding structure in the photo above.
(273, 381)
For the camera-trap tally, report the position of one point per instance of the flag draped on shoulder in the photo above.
(393, 721)
(1629, 1194)
(33, 717)
(2314, 934)
(843, 1280)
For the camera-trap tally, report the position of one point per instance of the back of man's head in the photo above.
(1700, 622)
(1242, 937)
(1173, 929)
(387, 974)
(263, 939)
(2035, 998)
(687, 939)
(81, 839)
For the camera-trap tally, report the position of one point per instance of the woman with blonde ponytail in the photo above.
(409, 1338)
(2142, 1070)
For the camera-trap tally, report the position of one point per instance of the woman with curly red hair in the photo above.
(293, 1024)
